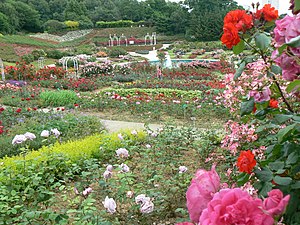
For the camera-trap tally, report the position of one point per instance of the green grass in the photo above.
(25, 40)
(7, 53)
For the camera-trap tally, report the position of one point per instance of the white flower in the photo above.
(129, 194)
(19, 139)
(110, 205)
(45, 133)
(122, 152)
(124, 168)
(87, 191)
(182, 169)
(141, 199)
(120, 137)
(134, 132)
(148, 146)
(147, 207)
(107, 174)
(55, 132)
(30, 136)
(109, 168)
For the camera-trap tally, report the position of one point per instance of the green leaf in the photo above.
(264, 175)
(281, 118)
(243, 178)
(292, 158)
(262, 41)
(285, 132)
(293, 86)
(247, 107)
(276, 165)
(281, 49)
(239, 71)
(294, 42)
(297, 5)
(276, 69)
(296, 185)
(237, 49)
(282, 180)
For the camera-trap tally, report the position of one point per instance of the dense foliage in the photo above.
(168, 17)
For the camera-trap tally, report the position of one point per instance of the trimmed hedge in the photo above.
(113, 24)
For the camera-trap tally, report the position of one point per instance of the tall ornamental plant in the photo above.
(263, 96)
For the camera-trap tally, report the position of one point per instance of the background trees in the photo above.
(198, 19)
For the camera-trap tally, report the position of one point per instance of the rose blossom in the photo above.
(19, 139)
(141, 199)
(110, 205)
(30, 136)
(147, 207)
(182, 169)
(109, 168)
(107, 174)
(124, 168)
(200, 192)
(45, 133)
(275, 204)
(234, 206)
(55, 132)
(87, 191)
(122, 152)
(134, 132)
(120, 137)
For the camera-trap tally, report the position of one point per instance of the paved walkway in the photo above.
(115, 126)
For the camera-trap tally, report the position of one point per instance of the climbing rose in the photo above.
(230, 37)
(246, 161)
(275, 204)
(234, 206)
(200, 192)
(240, 19)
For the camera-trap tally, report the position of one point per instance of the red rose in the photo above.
(2, 109)
(268, 12)
(246, 161)
(18, 110)
(28, 109)
(240, 19)
(27, 99)
(34, 108)
(76, 105)
(22, 99)
(273, 103)
(230, 37)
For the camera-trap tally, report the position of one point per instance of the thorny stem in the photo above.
(261, 53)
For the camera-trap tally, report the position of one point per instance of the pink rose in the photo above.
(280, 30)
(275, 204)
(203, 186)
(234, 206)
(261, 96)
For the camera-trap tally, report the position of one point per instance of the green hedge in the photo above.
(119, 23)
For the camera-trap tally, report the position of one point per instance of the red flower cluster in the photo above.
(267, 13)
(235, 21)
(246, 162)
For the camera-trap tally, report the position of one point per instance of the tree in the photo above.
(4, 24)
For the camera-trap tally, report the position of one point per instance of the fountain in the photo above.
(168, 62)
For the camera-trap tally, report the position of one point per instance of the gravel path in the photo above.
(115, 126)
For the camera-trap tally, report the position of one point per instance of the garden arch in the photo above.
(110, 41)
(123, 37)
(2, 70)
(115, 38)
(41, 62)
(65, 63)
(153, 38)
(147, 36)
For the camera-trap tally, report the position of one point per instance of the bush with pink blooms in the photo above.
(263, 137)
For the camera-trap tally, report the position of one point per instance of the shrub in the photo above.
(116, 51)
(53, 26)
(37, 53)
(72, 24)
(58, 98)
(29, 58)
(55, 54)
(113, 24)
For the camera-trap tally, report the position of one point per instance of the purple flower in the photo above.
(87, 191)
(110, 205)
(124, 168)
(261, 96)
(107, 174)
(122, 152)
